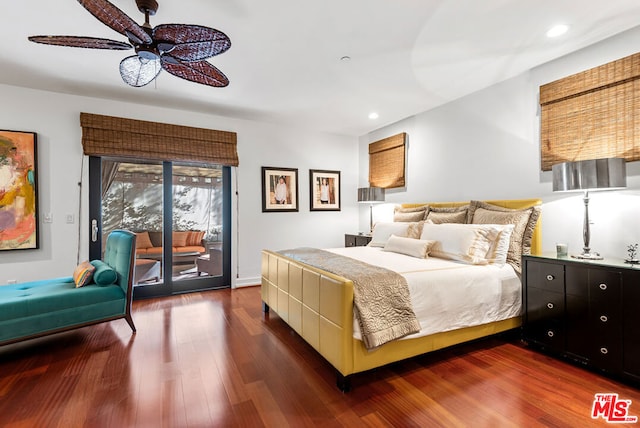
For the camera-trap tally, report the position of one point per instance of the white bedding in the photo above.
(448, 295)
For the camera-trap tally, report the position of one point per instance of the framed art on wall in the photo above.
(279, 189)
(324, 190)
(18, 191)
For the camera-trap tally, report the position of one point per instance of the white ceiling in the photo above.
(284, 65)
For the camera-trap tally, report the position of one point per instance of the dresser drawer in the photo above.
(606, 354)
(548, 333)
(605, 290)
(543, 304)
(546, 276)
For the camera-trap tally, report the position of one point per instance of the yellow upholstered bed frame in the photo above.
(318, 305)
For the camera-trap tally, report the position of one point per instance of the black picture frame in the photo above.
(273, 200)
(327, 199)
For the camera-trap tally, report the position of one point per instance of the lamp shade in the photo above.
(594, 174)
(371, 194)
(137, 71)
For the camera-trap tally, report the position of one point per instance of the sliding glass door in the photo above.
(180, 213)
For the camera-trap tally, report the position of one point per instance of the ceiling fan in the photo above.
(180, 49)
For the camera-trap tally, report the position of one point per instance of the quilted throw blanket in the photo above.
(382, 304)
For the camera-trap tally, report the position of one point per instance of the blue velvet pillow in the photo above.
(104, 274)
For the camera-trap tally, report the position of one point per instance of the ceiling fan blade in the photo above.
(200, 72)
(136, 71)
(190, 42)
(81, 42)
(116, 19)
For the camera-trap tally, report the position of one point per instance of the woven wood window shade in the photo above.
(592, 114)
(128, 138)
(387, 162)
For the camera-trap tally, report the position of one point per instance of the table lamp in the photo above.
(589, 175)
(371, 195)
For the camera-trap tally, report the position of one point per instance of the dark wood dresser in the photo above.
(586, 311)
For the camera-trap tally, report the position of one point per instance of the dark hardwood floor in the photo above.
(212, 359)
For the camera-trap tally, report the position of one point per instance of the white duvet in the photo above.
(448, 295)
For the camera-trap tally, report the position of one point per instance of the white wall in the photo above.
(486, 146)
(55, 118)
(483, 146)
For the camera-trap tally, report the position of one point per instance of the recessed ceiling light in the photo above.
(373, 115)
(345, 58)
(557, 30)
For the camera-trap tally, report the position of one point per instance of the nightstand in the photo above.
(586, 311)
(356, 240)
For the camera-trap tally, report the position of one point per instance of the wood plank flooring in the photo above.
(212, 359)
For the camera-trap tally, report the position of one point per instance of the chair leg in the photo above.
(129, 320)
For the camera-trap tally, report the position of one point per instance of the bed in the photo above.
(319, 304)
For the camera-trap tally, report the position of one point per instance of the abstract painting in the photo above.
(18, 191)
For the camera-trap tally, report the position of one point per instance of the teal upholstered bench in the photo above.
(39, 308)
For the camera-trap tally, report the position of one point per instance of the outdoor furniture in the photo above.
(146, 270)
(210, 263)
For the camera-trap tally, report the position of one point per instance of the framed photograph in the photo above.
(279, 189)
(18, 191)
(324, 190)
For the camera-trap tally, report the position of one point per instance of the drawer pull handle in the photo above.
(604, 318)
(550, 277)
(604, 351)
(603, 286)
(550, 305)
(550, 333)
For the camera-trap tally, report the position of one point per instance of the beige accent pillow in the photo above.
(383, 230)
(415, 230)
(409, 214)
(524, 221)
(440, 215)
(467, 243)
(443, 217)
(409, 246)
(143, 240)
(498, 252)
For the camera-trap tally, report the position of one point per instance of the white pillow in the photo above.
(383, 230)
(467, 243)
(409, 246)
(497, 254)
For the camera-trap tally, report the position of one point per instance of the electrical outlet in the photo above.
(69, 218)
(48, 218)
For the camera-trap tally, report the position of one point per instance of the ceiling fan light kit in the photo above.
(180, 49)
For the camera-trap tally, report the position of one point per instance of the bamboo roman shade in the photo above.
(593, 114)
(128, 138)
(387, 161)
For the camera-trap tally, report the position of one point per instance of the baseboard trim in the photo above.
(246, 282)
